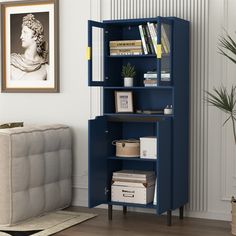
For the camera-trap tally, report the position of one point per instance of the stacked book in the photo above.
(134, 176)
(150, 79)
(133, 186)
(125, 47)
(149, 34)
(165, 76)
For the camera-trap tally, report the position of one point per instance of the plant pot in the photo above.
(233, 225)
(128, 82)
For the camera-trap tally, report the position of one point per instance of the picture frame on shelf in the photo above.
(124, 102)
(30, 50)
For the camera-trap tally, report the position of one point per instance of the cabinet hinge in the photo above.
(159, 50)
(88, 53)
(106, 191)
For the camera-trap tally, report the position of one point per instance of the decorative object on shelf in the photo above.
(127, 147)
(128, 73)
(30, 53)
(133, 186)
(168, 110)
(150, 112)
(148, 147)
(150, 79)
(124, 101)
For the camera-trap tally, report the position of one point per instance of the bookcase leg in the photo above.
(169, 217)
(181, 212)
(124, 210)
(109, 212)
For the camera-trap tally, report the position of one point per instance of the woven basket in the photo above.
(127, 148)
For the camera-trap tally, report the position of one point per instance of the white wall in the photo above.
(72, 105)
(221, 149)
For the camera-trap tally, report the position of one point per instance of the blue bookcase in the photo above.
(172, 131)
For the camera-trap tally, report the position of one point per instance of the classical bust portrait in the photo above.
(33, 63)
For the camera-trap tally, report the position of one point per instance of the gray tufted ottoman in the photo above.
(35, 171)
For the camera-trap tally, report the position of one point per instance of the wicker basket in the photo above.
(127, 148)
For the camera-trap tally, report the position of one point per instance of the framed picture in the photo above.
(30, 52)
(124, 101)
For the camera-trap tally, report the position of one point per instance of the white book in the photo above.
(134, 173)
(125, 53)
(153, 34)
(143, 39)
(150, 85)
(150, 76)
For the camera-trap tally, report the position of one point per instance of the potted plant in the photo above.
(128, 73)
(225, 101)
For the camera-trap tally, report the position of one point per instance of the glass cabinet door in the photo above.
(95, 53)
(164, 51)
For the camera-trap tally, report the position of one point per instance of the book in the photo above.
(150, 76)
(126, 47)
(153, 35)
(146, 39)
(126, 52)
(150, 81)
(133, 183)
(134, 173)
(145, 50)
(125, 43)
(149, 39)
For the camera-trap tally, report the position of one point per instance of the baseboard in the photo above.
(80, 198)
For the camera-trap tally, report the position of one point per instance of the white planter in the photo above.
(128, 81)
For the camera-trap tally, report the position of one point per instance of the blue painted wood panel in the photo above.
(181, 110)
(171, 166)
(164, 168)
(97, 161)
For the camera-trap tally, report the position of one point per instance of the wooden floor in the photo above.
(137, 224)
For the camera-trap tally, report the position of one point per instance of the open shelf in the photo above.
(149, 205)
(134, 56)
(131, 159)
(136, 117)
(139, 87)
(163, 55)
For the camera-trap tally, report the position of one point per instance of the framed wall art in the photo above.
(124, 101)
(30, 50)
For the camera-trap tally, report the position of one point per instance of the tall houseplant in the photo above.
(225, 101)
(221, 98)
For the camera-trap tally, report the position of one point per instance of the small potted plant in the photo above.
(128, 73)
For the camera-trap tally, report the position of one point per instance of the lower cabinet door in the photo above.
(164, 162)
(97, 161)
